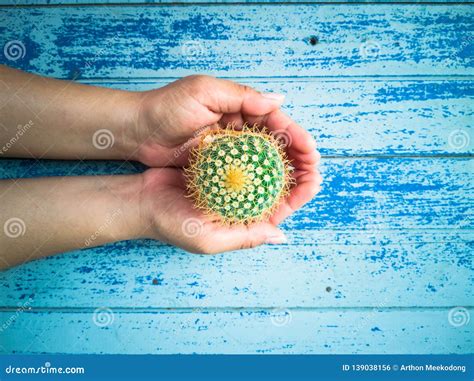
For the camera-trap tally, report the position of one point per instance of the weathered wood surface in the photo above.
(397, 231)
(346, 274)
(261, 40)
(229, 331)
(208, 2)
(387, 92)
(371, 117)
(390, 193)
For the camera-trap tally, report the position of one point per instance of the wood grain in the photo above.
(386, 193)
(209, 2)
(394, 269)
(374, 264)
(224, 331)
(393, 230)
(371, 117)
(264, 40)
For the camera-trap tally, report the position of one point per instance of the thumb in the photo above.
(224, 97)
(246, 237)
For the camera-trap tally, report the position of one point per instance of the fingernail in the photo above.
(277, 239)
(274, 96)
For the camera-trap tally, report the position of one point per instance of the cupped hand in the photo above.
(168, 122)
(170, 117)
(173, 219)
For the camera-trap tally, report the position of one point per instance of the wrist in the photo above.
(142, 130)
(125, 213)
(125, 112)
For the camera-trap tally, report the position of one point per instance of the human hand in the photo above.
(171, 116)
(172, 218)
(150, 127)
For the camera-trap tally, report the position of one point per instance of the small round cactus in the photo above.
(239, 176)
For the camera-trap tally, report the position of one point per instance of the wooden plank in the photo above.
(222, 331)
(386, 193)
(207, 2)
(406, 223)
(372, 117)
(263, 40)
(345, 274)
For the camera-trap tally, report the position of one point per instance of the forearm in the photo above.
(45, 216)
(47, 118)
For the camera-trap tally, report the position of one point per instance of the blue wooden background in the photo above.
(379, 262)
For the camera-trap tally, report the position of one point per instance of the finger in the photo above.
(226, 97)
(303, 167)
(299, 175)
(240, 237)
(294, 136)
(234, 119)
(299, 144)
(311, 158)
(260, 120)
(308, 185)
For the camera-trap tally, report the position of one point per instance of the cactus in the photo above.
(238, 176)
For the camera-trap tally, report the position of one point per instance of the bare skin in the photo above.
(61, 120)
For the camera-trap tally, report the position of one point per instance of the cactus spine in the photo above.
(239, 176)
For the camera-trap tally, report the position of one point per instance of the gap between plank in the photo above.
(277, 79)
(227, 309)
(207, 4)
(451, 156)
(402, 156)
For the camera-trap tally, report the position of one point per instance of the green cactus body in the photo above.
(240, 176)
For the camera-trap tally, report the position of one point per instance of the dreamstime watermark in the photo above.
(375, 221)
(457, 232)
(45, 369)
(25, 306)
(187, 144)
(371, 317)
(459, 317)
(369, 49)
(459, 139)
(103, 139)
(14, 227)
(109, 220)
(14, 50)
(103, 317)
(192, 227)
(281, 317)
(282, 137)
(467, 40)
(21, 130)
(99, 53)
(192, 49)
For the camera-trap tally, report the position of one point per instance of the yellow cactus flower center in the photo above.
(235, 179)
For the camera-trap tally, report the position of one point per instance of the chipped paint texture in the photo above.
(239, 40)
(374, 264)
